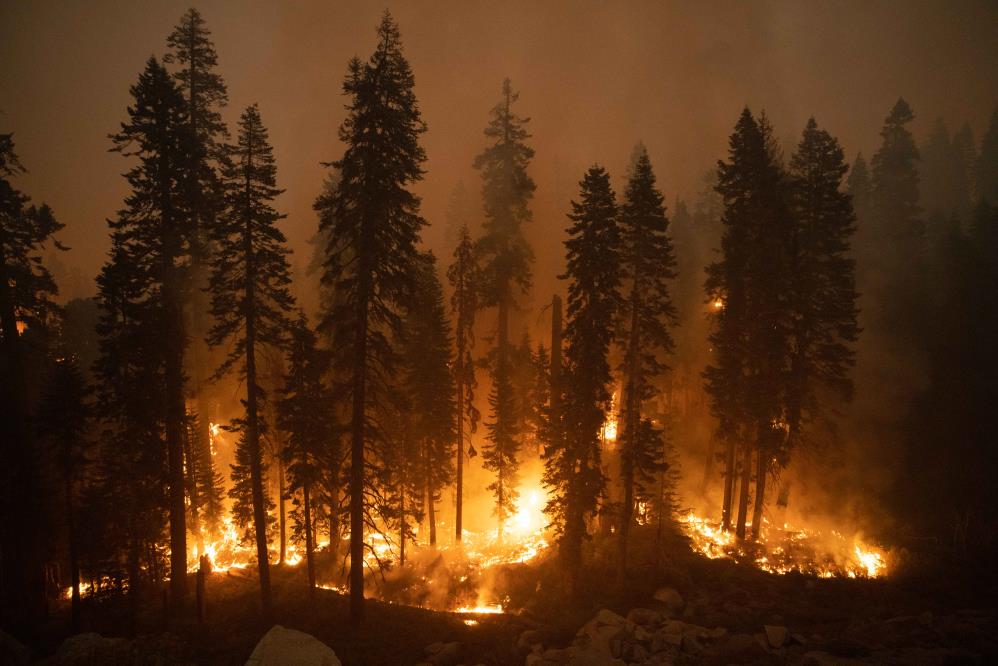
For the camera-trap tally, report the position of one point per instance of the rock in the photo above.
(443, 654)
(606, 616)
(670, 598)
(597, 634)
(593, 658)
(742, 646)
(91, 648)
(557, 656)
(644, 616)
(287, 647)
(12, 651)
(528, 639)
(776, 636)
(691, 645)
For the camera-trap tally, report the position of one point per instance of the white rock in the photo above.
(287, 647)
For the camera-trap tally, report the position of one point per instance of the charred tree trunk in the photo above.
(631, 416)
(309, 542)
(192, 488)
(176, 416)
(761, 474)
(743, 490)
(280, 505)
(459, 491)
(253, 423)
(729, 483)
(358, 422)
(74, 560)
(502, 368)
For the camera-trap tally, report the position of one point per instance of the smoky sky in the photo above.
(594, 77)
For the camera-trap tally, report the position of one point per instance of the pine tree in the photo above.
(193, 56)
(131, 492)
(462, 275)
(250, 300)
(209, 486)
(26, 289)
(302, 415)
(505, 260)
(153, 236)
(572, 456)
(64, 420)
(823, 292)
(429, 386)
(647, 268)
(374, 224)
(750, 334)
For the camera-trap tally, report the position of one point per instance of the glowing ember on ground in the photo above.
(788, 549)
(481, 610)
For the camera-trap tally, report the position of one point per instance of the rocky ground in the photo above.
(687, 610)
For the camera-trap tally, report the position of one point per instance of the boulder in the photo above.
(288, 647)
(644, 616)
(776, 636)
(593, 658)
(670, 598)
(91, 648)
(606, 616)
(602, 633)
(443, 654)
(528, 639)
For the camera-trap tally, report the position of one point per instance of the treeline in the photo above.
(365, 417)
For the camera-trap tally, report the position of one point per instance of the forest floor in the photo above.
(939, 615)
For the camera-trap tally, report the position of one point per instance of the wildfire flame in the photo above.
(789, 549)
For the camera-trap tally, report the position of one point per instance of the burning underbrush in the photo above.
(787, 548)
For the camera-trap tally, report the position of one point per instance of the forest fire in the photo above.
(507, 354)
(787, 549)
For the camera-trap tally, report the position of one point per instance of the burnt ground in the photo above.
(933, 613)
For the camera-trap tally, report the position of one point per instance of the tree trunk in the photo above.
(459, 492)
(252, 419)
(176, 416)
(729, 482)
(192, 489)
(761, 473)
(501, 372)
(358, 421)
(743, 490)
(280, 505)
(632, 416)
(309, 542)
(74, 560)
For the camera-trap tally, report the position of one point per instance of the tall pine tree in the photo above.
(572, 455)
(463, 277)
(250, 299)
(373, 223)
(505, 260)
(152, 238)
(647, 270)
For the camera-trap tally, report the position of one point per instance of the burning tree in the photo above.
(572, 455)
(505, 265)
(374, 224)
(250, 301)
(647, 313)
